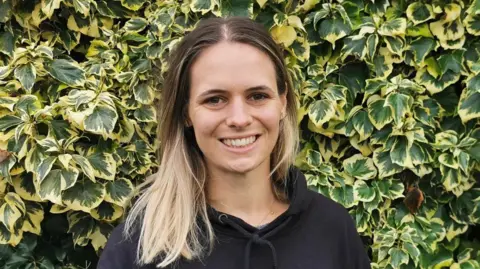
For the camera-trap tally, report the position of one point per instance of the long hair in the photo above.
(171, 211)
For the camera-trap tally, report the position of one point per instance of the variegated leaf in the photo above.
(360, 167)
(118, 191)
(321, 111)
(84, 195)
(11, 210)
(107, 212)
(419, 12)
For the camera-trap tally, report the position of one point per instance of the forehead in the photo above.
(231, 65)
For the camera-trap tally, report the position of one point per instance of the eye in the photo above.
(215, 100)
(258, 96)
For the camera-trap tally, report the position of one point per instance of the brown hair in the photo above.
(175, 196)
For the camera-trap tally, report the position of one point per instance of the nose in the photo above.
(238, 114)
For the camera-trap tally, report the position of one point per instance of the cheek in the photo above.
(204, 125)
(270, 119)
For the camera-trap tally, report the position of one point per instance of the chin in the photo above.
(241, 167)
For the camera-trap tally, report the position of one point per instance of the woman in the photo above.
(226, 194)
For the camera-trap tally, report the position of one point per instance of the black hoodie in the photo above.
(315, 232)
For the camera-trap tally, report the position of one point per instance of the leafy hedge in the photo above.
(388, 100)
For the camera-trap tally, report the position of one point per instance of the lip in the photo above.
(241, 149)
(240, 137)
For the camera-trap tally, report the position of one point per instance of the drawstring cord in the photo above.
(255, 238)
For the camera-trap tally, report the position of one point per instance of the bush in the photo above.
(388, 97)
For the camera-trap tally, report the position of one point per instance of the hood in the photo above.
(299, 199)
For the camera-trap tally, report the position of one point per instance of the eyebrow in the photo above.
(251, 89)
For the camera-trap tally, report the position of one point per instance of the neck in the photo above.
(248, 196)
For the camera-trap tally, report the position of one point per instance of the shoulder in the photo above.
(334, 217)
(120, 250)
(328, 210)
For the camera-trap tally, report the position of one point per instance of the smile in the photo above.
(238, 143)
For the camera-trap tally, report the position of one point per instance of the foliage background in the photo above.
(388, 93)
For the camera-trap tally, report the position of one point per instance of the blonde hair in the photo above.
(171, 212)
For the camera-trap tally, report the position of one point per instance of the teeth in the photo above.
(239, 142)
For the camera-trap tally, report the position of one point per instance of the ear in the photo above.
(188, 123)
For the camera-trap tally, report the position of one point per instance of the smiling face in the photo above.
(234, 107)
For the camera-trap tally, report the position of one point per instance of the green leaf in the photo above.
(446, 139)
(400, 105)
(100, 235)
(5, 12)
(448, 160)
(451, 177)
(30, 104)
(379, 114)
(8, 102)
(472, 23)
(421, 153)
(50, 144)
(34, 217)
(360, 167)
(202, 6)
(354, 45)
(84, 195)
(26, 74)
(284, 34)
(113, 9)
(107, 212)
(398, 257)
(145, 114)
(452, 61)
(9, 121)
(333, 29)
(436, 85)
(374, 85)
(12, 209)
(419, 30)
(362, 125)
(119, 191)
(102, 120)
(468, 107)
(142, 65)
(235, 8)
(362, 192)
(82, 226)
(82, 7)
(85, 166)
(7, 41)
(421, 47)
(372, 43)
(25, 187)
(56, 181)
(103, 164)
(381, 68)
(135, 25)
(133, 4)
(321, 111)
(447, 30)
(393, 27)
(44, 168)
(313, 159)
(440, 258)
(400, 152)
(395, 45)
(343, 195)
(67, 72)
(419, 12)
(49, 6)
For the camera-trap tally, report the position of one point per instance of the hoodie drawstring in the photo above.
(255, 238)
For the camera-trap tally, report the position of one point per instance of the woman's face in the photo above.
(234, 107)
